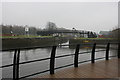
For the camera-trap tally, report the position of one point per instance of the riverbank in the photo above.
(11, 43)
(87, 41)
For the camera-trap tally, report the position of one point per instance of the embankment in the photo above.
(85, 43)
(12, 43)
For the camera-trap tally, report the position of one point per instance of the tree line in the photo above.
(17, 30)
(21, 30)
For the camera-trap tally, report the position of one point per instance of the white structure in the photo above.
(26, 31)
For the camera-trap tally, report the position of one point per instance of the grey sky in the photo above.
(93, 16)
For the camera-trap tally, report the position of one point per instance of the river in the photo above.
(27, 55)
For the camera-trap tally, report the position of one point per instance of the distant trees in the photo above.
(92, 35)
(32, 31)
(20, 30)
(5, 29)
(17, 30)
(50, 30)
(51, 26)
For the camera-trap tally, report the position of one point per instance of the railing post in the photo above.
(107, 51)
(18, 58)
(93, 53)
(52, 60)
(76, 56)
(16, 65)
(118, 50)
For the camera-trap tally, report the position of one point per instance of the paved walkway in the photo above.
(100, 69)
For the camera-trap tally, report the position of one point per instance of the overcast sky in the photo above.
(92, 16)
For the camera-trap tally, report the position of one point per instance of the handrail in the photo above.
(16, 63)
(49, 58)
(35, 47)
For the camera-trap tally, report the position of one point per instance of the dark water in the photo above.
(27, 55)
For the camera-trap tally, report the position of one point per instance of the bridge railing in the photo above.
(52, 58)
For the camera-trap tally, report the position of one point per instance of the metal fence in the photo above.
(17, 63)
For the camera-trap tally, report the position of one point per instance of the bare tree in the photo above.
(51, 26)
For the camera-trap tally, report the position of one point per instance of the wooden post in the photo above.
(76, 56)
(107, 51)
(52, 60)
(93, 53)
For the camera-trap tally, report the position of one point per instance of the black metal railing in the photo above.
(17, 63)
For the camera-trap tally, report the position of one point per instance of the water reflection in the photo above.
(26, 56)
(10, 54)
(33, 51)
(48, 50)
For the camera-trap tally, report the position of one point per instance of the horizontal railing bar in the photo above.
(26, 48)
(64, 55)
(9, 65)
(81, 62)
(100, 50)
(64, 66)
(84, 61)
(34, 61)
(90, 51)
(34, 74)
(23, 48)
(84, 52)
(25, 62)
(85, 43)
(100, 58)
(75, 44)
(47, 58)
